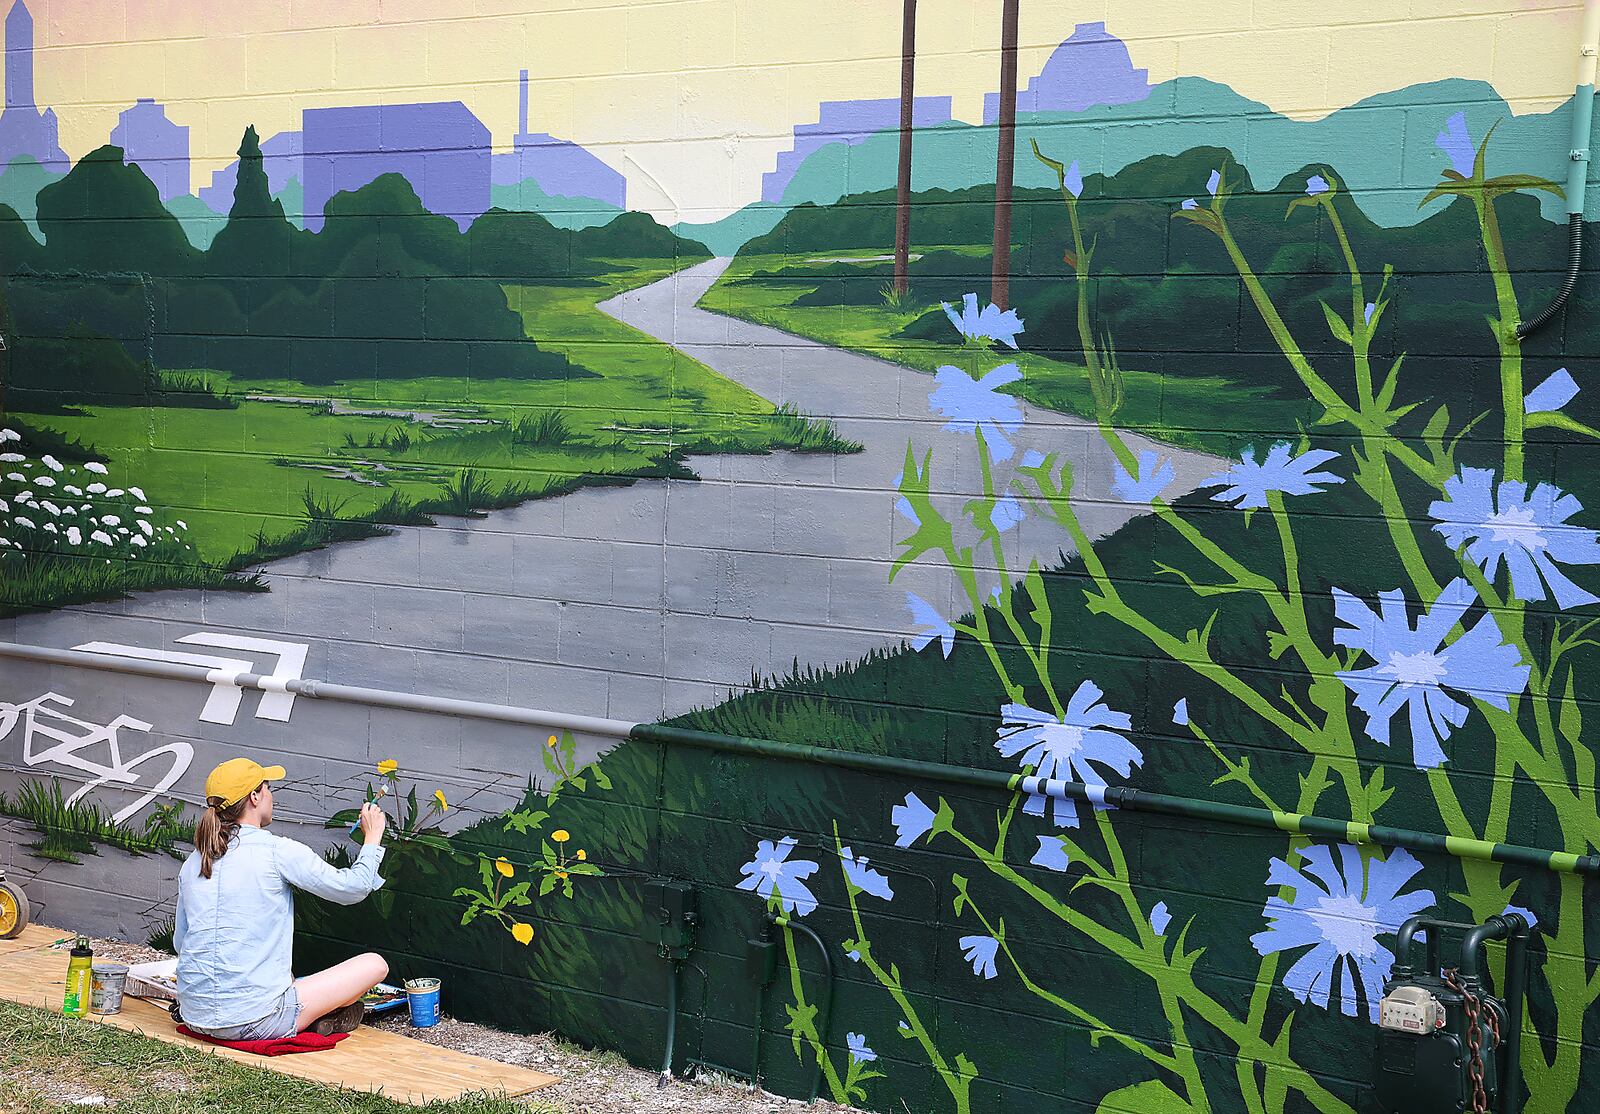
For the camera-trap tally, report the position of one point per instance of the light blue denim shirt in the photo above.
(235, 930)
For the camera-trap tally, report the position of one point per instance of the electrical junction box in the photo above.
(670, 916)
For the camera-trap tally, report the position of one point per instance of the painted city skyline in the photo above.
(632, 132)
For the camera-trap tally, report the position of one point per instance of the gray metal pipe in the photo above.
(1194, 808)
(322, 690)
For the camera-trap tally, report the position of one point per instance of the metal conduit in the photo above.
(1138, 800)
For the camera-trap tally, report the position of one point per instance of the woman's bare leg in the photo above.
(339, 985)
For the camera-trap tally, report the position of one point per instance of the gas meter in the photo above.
(1446, 1042)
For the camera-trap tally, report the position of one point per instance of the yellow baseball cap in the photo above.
(237, 778)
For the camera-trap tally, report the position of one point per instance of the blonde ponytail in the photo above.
(216, 829)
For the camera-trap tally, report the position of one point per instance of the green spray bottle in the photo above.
(79, 976)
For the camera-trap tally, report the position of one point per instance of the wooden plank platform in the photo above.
(368, 1060)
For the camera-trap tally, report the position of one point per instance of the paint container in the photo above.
(423, 997)
(106, 981)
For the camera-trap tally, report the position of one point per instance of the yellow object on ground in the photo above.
(369, 1060)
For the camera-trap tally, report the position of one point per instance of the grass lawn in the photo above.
(51, 1064)
(1194, 412)
(294, 465)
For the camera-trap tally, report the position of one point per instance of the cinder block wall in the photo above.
(560, 359)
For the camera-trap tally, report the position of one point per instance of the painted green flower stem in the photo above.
(1251, 1045)
(1098, 1029)
(802, 1022)
(958, 1079)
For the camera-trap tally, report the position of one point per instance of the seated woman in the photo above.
(235, 925)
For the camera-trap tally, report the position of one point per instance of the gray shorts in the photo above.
(283, 1021)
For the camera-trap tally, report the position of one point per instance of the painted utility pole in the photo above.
(902, 196)
(1000, 282)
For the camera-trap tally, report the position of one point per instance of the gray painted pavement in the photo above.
(635, 603)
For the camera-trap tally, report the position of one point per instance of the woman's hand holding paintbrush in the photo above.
(372, 820)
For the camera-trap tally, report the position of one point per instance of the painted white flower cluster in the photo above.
(51, 508)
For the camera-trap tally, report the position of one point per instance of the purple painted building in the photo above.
(558, 167)
(24, 130)
(848, 122)
(156, 145)
(280, 157)
(1091, 67)
(442, 149)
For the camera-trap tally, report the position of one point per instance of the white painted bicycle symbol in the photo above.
(52, 736)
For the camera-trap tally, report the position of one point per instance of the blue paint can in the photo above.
(423, 997)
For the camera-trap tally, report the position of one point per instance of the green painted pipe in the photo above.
(1136, 800)
(880, 764)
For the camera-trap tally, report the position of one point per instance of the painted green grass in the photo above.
(50, 1063)
(263, 479)
(1196, 412)
(70, 830)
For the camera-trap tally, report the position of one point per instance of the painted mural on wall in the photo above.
(1228, 478)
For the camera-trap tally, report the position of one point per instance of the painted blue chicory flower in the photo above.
(912, 820)
(932, 624)
(1457, 145)
(859, 1052)
(1414, 666)
(1052, 854)
(1189, 203)
(863, 877)
(1316, 185)
(1529, 532)
(980, 952)
(1007, 513)
(771, 874)
(1551, 395)
(989, 323)
(1247, 484)
(1073, 179)
(1180, 712)
(1371, 308)
(1064, 749)
(972, 404)
(1160, 918)
(1214, 182)
(1340, 911)
(1155, 473)
(1033, 458)
(1527, 914)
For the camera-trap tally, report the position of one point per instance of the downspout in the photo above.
(1578, 172)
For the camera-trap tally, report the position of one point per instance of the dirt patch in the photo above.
(601, 1082)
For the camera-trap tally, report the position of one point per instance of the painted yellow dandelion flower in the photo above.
(522, 933)
(561, 874)
(388, 767)
(582, 855)
(444, 805)
(503, 865)
(561, 835)
(550, 742)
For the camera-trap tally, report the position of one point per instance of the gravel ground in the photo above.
(590, 1082)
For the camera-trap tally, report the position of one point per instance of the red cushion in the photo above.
(286, 1046)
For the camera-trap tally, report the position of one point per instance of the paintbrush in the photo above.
(356, 827)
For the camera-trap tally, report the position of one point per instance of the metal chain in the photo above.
(1474, 1011)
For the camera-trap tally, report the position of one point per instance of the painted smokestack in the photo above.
(19, 57)
(522, 111)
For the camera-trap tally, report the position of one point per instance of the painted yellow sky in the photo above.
(693, 99)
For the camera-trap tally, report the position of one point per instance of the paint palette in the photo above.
(383, 998)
